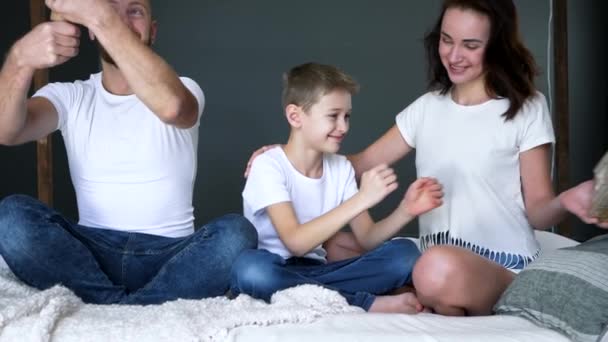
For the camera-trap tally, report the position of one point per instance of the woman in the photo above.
(485, 133)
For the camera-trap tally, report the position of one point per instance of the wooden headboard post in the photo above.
(562, 122)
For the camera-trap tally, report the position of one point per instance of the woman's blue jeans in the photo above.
(107, 266)
(260, 273)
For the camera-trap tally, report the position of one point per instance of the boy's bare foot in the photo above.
(401, 303)
(403, 289)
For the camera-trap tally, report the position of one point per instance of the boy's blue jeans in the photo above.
(260, 273)
(106, 266)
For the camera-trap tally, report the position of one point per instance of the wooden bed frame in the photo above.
(38, 14)
(561, 113)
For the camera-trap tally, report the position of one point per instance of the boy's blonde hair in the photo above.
(304, 84)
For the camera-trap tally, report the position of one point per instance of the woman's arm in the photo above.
(543, 208)
(388, 149)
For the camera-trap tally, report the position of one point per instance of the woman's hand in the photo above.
(578, 200)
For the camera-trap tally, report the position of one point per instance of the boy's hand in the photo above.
(422, 195)
(377, 183)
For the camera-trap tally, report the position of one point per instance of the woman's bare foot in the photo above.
(401, 303)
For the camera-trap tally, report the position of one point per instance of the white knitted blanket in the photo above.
(56, 314)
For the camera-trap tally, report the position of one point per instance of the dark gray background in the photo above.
(237, 50)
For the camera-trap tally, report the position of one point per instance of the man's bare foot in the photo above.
(401, 303)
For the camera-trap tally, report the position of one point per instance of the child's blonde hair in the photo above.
(304, 84)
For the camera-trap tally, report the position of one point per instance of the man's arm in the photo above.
(47, 45)
(148, 75)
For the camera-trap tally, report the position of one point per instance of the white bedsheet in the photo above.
(402, 328)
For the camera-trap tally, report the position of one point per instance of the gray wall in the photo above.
(237, 51)
(18, 164)
(588, 86)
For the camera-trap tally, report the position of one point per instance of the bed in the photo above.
(304, 313)
(421, 327)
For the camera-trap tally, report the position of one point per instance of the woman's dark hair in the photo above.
(508, 65)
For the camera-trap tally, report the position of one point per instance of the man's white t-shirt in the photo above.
(273, 179)
(130, 171)
(474, 153)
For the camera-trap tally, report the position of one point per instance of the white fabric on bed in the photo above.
(550, 241)
(56, 314)
(310, 313)
(400, 328)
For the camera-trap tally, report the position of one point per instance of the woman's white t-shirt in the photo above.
(474, 153)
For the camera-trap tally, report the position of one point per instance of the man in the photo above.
(131, 135)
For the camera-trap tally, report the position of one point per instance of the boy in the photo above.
(301, 194)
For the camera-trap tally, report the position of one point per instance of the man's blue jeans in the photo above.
(260, 273)
(106, 266)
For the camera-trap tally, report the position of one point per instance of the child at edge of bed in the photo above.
(300, 194)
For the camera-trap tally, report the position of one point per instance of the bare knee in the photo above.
(453, 280)
(435, 273)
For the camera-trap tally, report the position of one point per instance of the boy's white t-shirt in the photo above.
(130, 171)
(474, 153)
(273, 179)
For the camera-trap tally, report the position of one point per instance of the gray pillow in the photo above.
(565, 290)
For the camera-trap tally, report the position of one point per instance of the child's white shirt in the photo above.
(273, 179)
